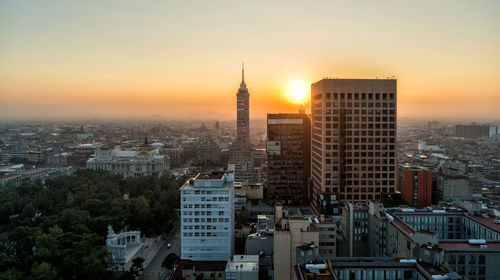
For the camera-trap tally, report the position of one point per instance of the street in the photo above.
(154, 271)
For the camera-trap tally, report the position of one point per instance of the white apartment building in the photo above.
(129, 163)
(207, 217)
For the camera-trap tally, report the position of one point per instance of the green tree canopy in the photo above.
(66, 239)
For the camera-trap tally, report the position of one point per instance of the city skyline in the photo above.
(102, 60)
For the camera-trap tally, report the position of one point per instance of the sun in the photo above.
(297, 91)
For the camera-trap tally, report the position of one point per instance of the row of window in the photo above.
(357, 168)
(451, 227)
(212, 227)
(204, 192)
(358, 189)
(203, 234)
(208, 220)
(363, 182)
(357, 96)
(203, 213)
(204, 206)
(356, 173)
(316, 106)
(329, 111)
(202, 198)
(356, 197)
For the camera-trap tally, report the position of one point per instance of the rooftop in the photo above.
(181, 265)
(467, 246)
(490, 221)
(243, 263)
(214, 175)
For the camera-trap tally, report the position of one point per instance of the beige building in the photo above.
(251, 190)
(174, 154)
(35, 156)
(294, 231)
(208, 153)
(353, 143)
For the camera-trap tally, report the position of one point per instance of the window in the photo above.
(482, 259)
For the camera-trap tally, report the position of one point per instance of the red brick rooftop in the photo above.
(488, 221)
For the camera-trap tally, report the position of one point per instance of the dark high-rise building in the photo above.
(243, 111)
(353, 142)
(288, 157)
(241, 149)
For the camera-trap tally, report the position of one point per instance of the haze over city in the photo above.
(249, 140)
(127, 59)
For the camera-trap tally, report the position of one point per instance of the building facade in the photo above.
(355, 230)
(446, 240)
(476, 130)
(288, 157)
(207, 217)
(252, 191)
(353, 142)
(416, 185)
(208, 153)
(129, 163)
(292, 231)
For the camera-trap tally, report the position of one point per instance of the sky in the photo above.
(182, 59)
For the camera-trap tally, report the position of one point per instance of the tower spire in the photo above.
(242, 72)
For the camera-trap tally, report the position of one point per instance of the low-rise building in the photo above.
(251, 190)
(292, 231)
(129, 163)
(452, 238)
(243, 267)
(370, 269)
(192, 270)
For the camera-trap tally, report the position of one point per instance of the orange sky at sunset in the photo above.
(183, 60)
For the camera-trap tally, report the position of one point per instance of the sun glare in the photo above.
(297, 91)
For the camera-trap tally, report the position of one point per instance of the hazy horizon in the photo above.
(127, 60)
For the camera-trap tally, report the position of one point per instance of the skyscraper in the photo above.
(243, 158)
(243, 113)
(288, 157)
(353, 145)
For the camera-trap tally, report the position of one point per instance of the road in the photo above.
(154, 271)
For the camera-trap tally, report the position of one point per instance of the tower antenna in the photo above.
(243, 72)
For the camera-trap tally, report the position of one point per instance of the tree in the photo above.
(169, 260)
(136, 268)
(28, 211)
(43, 271)
(68, 240)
